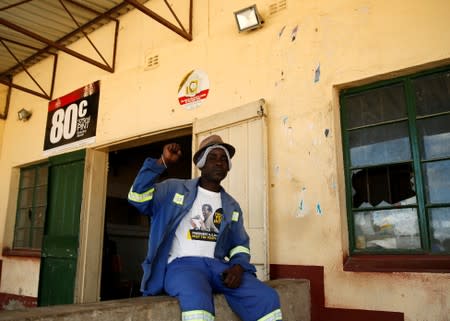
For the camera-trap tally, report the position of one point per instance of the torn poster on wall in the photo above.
(193, 89)
(72, 119)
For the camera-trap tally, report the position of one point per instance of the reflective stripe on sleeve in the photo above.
(272, 316)
(141, 197)
(197, 315)
(235, 216)
(239, 249)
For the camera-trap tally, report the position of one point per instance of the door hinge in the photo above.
(260, 112)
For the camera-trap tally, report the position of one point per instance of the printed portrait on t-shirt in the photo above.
(206, 223)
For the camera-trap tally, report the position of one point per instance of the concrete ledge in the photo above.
(294, 295)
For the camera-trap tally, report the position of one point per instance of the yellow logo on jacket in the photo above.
(178, 199)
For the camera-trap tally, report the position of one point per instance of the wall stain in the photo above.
(14, 305)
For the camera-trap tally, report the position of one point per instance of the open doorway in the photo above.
(126, 231)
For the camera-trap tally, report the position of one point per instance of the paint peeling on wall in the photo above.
(290, 136)
(288, 130)
(289, 175)
(277, 170)
(363, 10)
(317, 74)
(301, 206)
(281, 79)
(294, 33)
(333, 184)
(315, 141)
(280, 33)
(319, 209)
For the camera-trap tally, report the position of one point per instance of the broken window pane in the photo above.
(390, 185)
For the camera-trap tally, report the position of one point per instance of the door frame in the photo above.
(92, 216)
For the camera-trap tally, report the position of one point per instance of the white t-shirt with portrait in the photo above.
(197, 233)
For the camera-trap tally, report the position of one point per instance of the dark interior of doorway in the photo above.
(126, 231)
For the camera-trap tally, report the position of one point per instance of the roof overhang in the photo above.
(32, 30)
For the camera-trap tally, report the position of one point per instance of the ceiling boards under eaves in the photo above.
(56, 21)
(31, 30)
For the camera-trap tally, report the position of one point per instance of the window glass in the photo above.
(23, 218)
(32, 204)
(432, 93)
(40, 196)
(28, 178)
(26, 198)
(396, 142)
(37, 238)
(440, 229)
(39, 216)
(387, 229)
(437, 178)
(21, 238)
(375, 106)
(379, 145)
(42, 175)
(434, 135)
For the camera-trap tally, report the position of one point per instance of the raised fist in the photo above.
(171, 154)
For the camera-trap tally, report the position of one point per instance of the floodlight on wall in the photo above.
(24, 114)
(248, 18)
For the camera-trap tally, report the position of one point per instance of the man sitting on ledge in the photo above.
(186, 259)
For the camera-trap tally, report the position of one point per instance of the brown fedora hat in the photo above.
(209, 141)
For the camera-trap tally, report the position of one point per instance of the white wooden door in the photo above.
(244, 127)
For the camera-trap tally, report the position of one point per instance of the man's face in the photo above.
(216, 166)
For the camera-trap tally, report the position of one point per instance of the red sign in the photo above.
(72, 119)
(194, 89)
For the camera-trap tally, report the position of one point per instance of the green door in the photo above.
(62, 225)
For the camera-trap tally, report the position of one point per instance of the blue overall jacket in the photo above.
(167, 203)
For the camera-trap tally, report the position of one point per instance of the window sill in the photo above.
(7, 252)
(397, 263)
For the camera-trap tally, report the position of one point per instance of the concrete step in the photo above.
(294, 295)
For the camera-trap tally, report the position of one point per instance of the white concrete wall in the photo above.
(352, 41)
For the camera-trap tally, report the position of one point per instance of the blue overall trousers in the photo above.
(194, 280)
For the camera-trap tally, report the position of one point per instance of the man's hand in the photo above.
(170, 155)
(232, 276)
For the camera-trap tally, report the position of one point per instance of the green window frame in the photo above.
(396, 145)
(31, 207)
